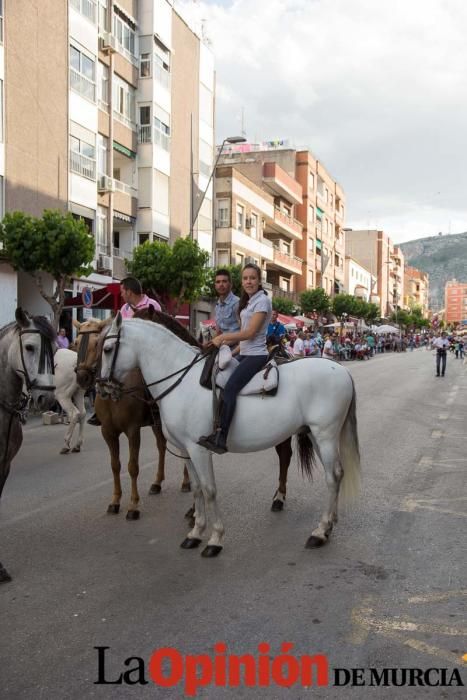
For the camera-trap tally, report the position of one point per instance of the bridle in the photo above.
(46, 361)
(82, 354)
(114, 385)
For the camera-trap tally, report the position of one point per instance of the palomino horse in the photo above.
(70, 396)
(127, 416)
(26, 358)
(316, 397)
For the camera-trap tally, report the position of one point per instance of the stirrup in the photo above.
(215, 442)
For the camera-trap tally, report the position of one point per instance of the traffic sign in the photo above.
(87, 297)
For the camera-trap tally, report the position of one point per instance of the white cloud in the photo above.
(376, 89)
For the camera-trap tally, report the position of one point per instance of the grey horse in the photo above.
(26, 362)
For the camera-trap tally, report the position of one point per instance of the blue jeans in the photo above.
(248, 367)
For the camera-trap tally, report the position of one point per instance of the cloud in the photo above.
(376, 89)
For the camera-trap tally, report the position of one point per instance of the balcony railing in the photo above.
(125, 120)
(162, 140)
(87, 8)
(144, 133)
(288, 220)
(149, 134)
(83, 85)
(120, 253)
(162, 76)
(290, 261)
(123, 187)
(278, 292)
(82, 165)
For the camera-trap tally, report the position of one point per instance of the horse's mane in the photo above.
(169, 322)
(41, 323)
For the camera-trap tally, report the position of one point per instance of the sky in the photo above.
(376, 89)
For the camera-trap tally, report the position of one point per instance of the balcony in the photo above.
(82, 165)
(284, 261)
(149, 134)
(87, 8)
(109, 43)
(281, 183)
(262, 247)
(284, 224)
(82, 85)
(278, 292)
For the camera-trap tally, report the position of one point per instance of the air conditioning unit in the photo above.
(249, 260)
(108, 42)
(104, 262)
(105, 184)
(248, 222)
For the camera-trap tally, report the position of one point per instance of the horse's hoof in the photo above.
(132, 515)
(190, 543)
(185, 488)
(190, 513)
(211, 550)
(4, 575)
(277, 505)
(65, 451)
(76, 448)
(314, 542)
(114, 508)
(155, 489)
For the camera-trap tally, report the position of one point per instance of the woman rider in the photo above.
(255, 310)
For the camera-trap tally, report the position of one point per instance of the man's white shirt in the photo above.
(440, 343)
(298, 347)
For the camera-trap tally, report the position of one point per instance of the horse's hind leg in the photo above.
(134, 442)
(284, 451)
(4, 575)
(186, 484)
(328, 453)
(198, 518)
(81, 415)
(156, 487)
(70, 410)
(113, 443)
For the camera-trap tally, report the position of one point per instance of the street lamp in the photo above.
(195, 213)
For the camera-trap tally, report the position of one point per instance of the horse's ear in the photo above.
(107, 322)
(76, 324)
(22, 318)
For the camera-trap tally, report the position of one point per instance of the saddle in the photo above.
(220, 366)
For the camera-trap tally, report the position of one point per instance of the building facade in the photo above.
(358, 281)
(109, 113)
(455, 302)
(416, 289)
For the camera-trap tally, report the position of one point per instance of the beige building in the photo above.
(109, 113)
(375, 251)
(416, 289)
(303, 222)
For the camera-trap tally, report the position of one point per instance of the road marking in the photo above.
(437, 597)
(443, 416)
(437, 434)
(409, 505)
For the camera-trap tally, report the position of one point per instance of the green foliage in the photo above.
(314, 300)
(235, 273)
(410, 320)
(58, 243)
(283, 305)
(353, 306)
(178, 272)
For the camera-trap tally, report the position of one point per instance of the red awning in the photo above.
(107, 297)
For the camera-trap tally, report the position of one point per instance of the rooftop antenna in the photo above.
(243, 130)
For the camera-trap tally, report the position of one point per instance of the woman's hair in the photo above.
(245, 298)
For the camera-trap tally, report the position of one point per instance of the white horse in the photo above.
(70, 396)
(315, 396)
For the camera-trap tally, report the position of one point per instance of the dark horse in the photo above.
(26, 358)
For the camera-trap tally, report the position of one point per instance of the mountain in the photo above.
(443, 257)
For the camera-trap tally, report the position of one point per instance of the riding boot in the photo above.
(94, 420)
(216, 442)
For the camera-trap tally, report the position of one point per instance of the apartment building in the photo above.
(109, 113)
(416, 289)
(375, 251)
(455, 302)
(304, 225)
(359, 281)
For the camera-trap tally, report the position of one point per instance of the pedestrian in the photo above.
(255, 314)
(226, 312)
(62, 340)
(276, 329)
(328, 348)
(299, 346)
(441, 344)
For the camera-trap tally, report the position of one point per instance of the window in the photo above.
(240, 217)
(101, 230)
(239, 258)
(102, 151)
(145, 65)
(205, 105)
(312, 181)
(142, 238)
(82, 74)
(102, 16)
(162, 67)
(86, 7)
(161, 193)
(82, 154)
(311, 213)
(1, 21)
(254, 225)
(124, 101)
(223, 258)
(205, 158)
(1, 110)
(286, 247)
(103, 86)
(162, 128)
(124, 32)
(223, 213)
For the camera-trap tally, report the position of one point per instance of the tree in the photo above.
(57, 244)
(344, 303)
(314, 300)
(235, 273)
(178, 272)
(283, 305)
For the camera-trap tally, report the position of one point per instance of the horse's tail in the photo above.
(350, 453)
(306, 454)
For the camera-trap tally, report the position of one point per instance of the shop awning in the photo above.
(107, 297)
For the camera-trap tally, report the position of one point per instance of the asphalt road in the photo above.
(389, 590)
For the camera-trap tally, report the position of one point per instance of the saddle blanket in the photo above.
(266, 381)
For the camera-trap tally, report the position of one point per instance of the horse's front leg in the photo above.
(162, 449)
(328, 453)
(113, 443)
(284, 451)
(202, 460)
(81, 408)
(134, 442)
